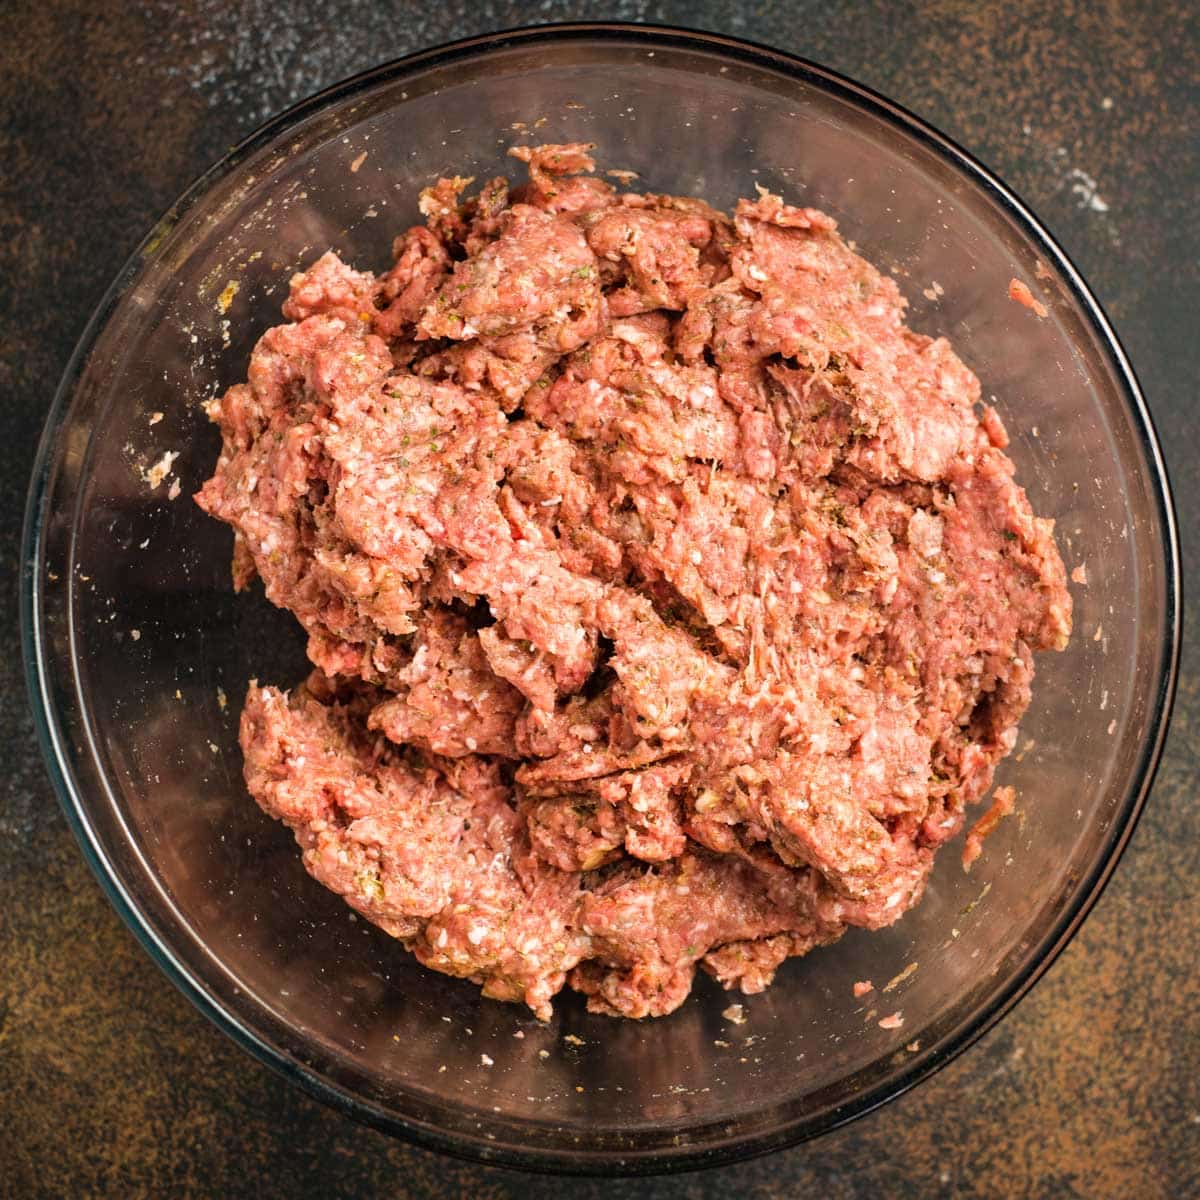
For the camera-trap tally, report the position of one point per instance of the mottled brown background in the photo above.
(110, 1083)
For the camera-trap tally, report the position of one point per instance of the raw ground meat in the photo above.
(669, 599)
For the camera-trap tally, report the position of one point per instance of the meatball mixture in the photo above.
(669, 599)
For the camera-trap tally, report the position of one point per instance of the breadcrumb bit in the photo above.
(892, 1022)
(572, 1040)
(1079, 575)
(487, 1060)
(862, 987)
(735, 1013)
(895, 982)
(225, 299)
(160, 470)
(358, 162)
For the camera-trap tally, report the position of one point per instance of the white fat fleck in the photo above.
(476, 935)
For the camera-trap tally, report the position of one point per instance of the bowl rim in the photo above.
(579, 1160)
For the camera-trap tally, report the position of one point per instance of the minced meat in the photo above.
(669, 599)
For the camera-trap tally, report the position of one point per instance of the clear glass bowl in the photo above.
(134, 639)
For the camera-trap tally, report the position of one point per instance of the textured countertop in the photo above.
(110, 1082)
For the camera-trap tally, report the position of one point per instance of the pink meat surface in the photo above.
(670, 600)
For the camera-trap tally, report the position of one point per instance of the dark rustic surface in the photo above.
(110, 1083)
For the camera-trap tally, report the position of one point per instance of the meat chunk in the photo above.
(657, 251)
(433, 854)
(452, 704)
(539, 272)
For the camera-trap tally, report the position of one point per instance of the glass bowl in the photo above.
(138, 653)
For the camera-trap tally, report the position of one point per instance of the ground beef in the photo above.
(669, 599)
